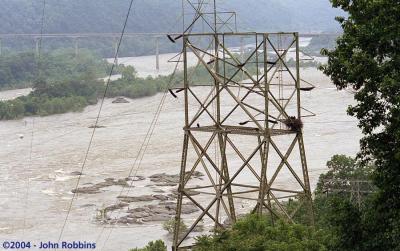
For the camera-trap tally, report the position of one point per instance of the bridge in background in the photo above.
(114, 36)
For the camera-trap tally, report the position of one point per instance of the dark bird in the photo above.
(211, 61)
(171, 39)
(172, 93)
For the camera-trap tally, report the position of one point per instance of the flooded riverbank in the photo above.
(39, 168)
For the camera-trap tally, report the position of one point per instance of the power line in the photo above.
(97, 118)
(42, 27)
(141, 154)
(142, 150)
(28, 181)
(39, 68)
(151, 129)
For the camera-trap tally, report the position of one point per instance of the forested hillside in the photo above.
(103, 16)
(23, 16)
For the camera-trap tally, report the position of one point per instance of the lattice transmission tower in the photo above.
(243, 124)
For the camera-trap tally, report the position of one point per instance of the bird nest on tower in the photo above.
(293, 123)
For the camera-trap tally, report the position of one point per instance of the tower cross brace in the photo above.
(242, 126)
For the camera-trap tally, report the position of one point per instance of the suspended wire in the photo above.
(39, 69)
(179, 18)
(26, 199)
(41, 37)
(97, 119)
(243, 23)
(149, 133)
(50, 139)
(214, 108)
(142, 150)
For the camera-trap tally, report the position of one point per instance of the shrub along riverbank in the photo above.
(74, 94)
(63, 82)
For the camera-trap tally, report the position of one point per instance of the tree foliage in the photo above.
(104, 16)
(23, 69)
(170, 225)
(367, 58)
(61, 83)
(256, 233)
(64, 83)
(342, 219)
(343, 171)
(157, 245)
(131, 86)
(335, 211)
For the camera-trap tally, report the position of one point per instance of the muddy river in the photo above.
(38, 158)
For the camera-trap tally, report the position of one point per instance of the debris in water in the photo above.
(120, 100)
(96, 126)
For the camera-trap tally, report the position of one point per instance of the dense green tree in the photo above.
(342, 218)
(128, 73)
(129, 85)
(343, 171)
(256, 233)
(335, 211)
(157, 245)
(25, 69)
(367, 58)
(170, 225)
(56, 93)
(63, 82)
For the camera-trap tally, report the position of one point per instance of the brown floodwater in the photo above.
(38, 154)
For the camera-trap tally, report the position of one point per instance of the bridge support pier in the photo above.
(116, 51)
(158, 54)
(37, 41)
(242, 48)
(76, 43)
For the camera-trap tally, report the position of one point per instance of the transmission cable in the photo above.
(97, 118)
(142, 151)
(149, 134)
(39, 73)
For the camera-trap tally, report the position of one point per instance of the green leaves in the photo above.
(24, 69)
(257, 233)
(157, 245)
(367, 58)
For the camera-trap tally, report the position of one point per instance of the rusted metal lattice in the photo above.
(242, 126)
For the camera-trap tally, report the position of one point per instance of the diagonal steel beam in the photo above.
(218, 79)
(284, 158)
(202, 104)
(288, 152)
(215, 198)
(204, 152)
(242, 157)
